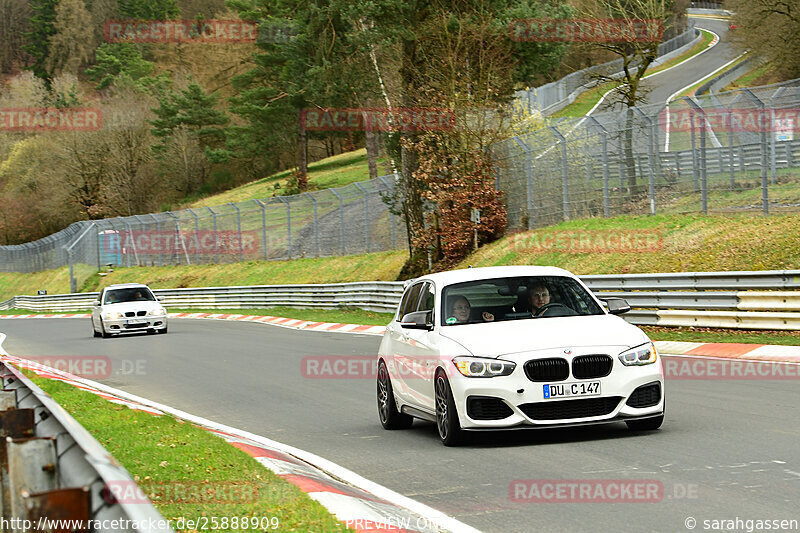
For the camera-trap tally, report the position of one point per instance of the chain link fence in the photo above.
(353, 219)
(735, 151)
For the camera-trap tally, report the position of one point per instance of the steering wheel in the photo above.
(541, 311)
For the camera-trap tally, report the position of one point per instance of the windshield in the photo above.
(519, 298)
(133, 294)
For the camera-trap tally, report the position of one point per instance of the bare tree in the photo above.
(637, 50)
(14, 16)
(770, 28)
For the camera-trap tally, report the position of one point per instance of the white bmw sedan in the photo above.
(514, 347)
(128, 307)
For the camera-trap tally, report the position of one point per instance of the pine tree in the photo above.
(37, 40)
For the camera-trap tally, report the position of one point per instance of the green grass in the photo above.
(587, 100)
(177, 463)
(786, 338)
(683, 243)
(336, 171)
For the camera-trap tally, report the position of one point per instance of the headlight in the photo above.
(478, 367)
(157, 312)
(641, 355)
(112, 316)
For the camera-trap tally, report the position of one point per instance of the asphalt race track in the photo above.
(727, 449)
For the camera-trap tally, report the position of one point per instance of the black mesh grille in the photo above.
(565, 409)
(591, 366)
(645, 396)
(487, 408)
(130, 313)
(141, 313)
(552, 369)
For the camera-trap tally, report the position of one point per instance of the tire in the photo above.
(389, 416)
(450, 431)
(162, 331)
(104, 333)
(94, 331)
(151, 331)
(648, 424)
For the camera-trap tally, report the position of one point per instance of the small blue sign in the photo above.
(546, 389)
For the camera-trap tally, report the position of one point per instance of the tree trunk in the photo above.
(371, 142)
(302, 151)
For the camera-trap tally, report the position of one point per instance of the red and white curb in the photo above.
(271, 320)
(729, 350)
(360, 504)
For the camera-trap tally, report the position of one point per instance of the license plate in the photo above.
(571, 390)
(136, 321)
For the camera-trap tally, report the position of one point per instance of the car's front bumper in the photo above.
(121, 325)
(528, 407)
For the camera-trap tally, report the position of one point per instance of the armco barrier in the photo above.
(56, 470)
(757, 300)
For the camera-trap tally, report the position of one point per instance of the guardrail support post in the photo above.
(31, 468)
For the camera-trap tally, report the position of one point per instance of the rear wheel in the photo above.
(390, 417)
(450, 431)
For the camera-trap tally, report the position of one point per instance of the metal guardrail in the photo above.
(761, 299)
(53, 469)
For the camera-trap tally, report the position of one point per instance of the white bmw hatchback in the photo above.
(128, 307)
(514, 347)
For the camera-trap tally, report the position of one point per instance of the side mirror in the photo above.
(160, 298)
(617, 306)
(97, 303)
(418, 320)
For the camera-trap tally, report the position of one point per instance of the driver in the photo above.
(538, 297)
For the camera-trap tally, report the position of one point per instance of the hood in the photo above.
(493, 339)
(123, 307)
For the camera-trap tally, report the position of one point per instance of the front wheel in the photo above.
(450, 431)
(103, 331)
(94, 331)
(390, 417)
(162, 331)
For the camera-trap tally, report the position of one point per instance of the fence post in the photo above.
(263, 226)
(341, 218)
(389, 191)
(564, 174)
(216, 239)
(763, 145)
(288, 225)
(695, 169)
(196, 234)
(316, 221)
(238, 229)
(730, 140)
(528, 181)
(366, 214)
(773, 131)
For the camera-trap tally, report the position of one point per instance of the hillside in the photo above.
(664, 243)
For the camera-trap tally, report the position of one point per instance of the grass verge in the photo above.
(341, 316)
(336, 171)
(189, 472)
(658, 333)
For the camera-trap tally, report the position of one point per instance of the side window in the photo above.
(410, 300)
(427, 297)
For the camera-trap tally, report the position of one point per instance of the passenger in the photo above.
(460, 309)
